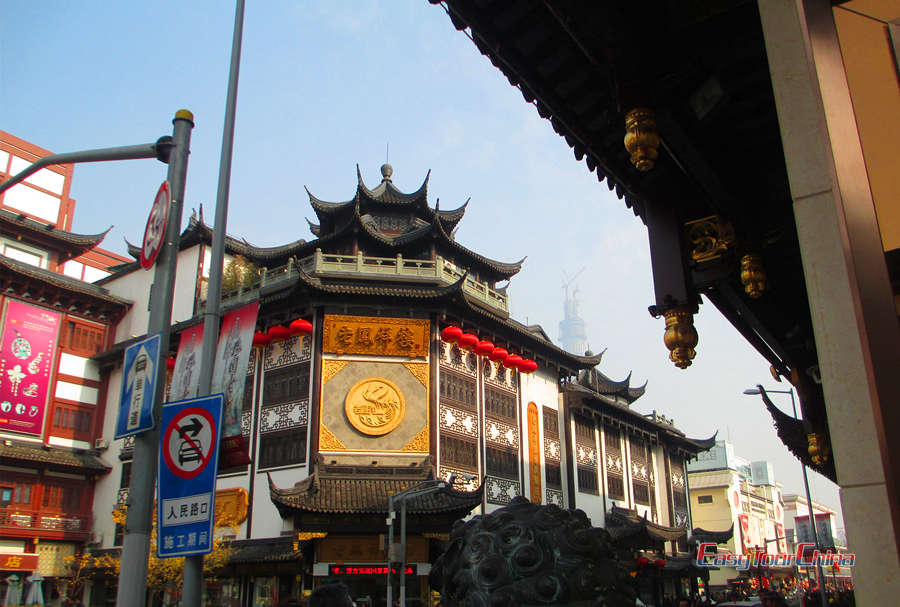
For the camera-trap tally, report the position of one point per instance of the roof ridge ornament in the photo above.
(386, 171)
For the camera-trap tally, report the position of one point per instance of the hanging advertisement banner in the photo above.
(186, 375)
(27, 353)
(229, 376)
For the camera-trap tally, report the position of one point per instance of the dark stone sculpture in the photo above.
(525, 554)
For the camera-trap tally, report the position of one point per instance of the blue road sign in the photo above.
(188, 463)
(138, 387)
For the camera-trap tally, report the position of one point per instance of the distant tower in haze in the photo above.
(571, 328)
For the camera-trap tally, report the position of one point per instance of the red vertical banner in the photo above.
(229, 376)
(186, 375)
(27, 353)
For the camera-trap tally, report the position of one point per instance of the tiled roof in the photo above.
(61, 280)
(76, 244)
(268, 550)
(623, 523)
(53, 456)
(720, 537)
(366, 491)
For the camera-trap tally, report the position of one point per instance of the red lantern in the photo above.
(451, 334)
(498, 355)
(467, 341)
(170, 363)
(301, 327)
(642, 561)
(261, 340)
(484, 348)
(528, 366)
(659, 563)
(512, 361)
(279, 332)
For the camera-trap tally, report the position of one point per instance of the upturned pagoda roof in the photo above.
(25, 455)
(700, 535)
(357, 218)
(601, 384)
(69, 244)
(524, 338)
(590, 401)
(335, 489)
(626, 525)
(386, 196)
(51, 289)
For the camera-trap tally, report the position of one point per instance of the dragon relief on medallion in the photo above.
(375, 406)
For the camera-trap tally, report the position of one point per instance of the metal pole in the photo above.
(132, 590)
(192, 589)
(403, 552)
(390, 550)
(812, 517)
(159, 150)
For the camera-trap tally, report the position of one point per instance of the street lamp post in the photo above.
(812, 518)
(423, 488)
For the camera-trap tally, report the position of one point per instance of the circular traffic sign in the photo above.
(156, 227)
(188, 442)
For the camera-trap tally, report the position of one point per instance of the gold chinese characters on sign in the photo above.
(375, 335)
(375, 406)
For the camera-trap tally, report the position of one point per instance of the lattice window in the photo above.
(501, 462)
(66, 498)
(641, 493)
(553, 474)
(83, 338)
(613, 441)
(286, 384)
(72, 421)
(282, 448)
(459, 389)
(459, 452)
(587, 480)
(615, 487)
(584, 431)
(500, 405)
(551, 422)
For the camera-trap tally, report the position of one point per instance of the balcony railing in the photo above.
(39, 521)
(319, 263)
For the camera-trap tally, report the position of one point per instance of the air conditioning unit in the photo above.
(96, 538)
(101, 444)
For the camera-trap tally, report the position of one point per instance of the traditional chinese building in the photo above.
(51, 394)
(385, 357)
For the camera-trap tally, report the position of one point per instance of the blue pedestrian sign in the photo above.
(138, 387)
(188, 463)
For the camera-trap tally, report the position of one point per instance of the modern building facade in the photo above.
(406, 372)
(52, 396)
(728, 492)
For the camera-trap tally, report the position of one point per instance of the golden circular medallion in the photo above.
(375, 406)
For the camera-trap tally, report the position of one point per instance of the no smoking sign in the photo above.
(188, 442)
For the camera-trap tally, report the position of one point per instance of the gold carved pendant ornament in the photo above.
(375, 406)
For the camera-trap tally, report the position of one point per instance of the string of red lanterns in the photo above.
(300, 326)
(470, 342)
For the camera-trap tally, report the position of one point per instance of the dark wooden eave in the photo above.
(67, 244)
(703, 69)
(58, 291)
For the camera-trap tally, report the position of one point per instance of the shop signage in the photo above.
(138, 387)
(18, 562)
(363, 570)
(186, 374)
(232, 358)
(26, 361)
(188, 463)
(375, 335)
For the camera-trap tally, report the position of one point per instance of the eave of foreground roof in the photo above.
(69, 242)
(626, 524)
(63, 282)
(27, 455)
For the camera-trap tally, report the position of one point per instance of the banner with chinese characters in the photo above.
(374, 335)
(229, 375)
(186, 375)
(26, 361)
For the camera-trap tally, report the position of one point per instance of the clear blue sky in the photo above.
(326, 85)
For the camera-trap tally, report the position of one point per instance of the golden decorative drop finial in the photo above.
(753, 275)
(818, 448)
(681, 336)
(642, 138)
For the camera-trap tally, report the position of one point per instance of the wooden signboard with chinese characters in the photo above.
(366, 549)
(374, 335)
